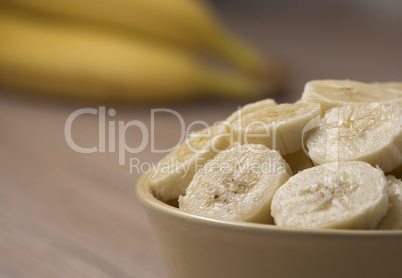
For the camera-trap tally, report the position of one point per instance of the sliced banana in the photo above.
(394, 87)
(331, 93)
(278, 127)
(369, 132)
(336, 195)
(298, 161)
(249, 108)
(170, 177)
(393, 219)
(237, 185)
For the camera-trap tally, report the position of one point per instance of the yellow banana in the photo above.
(64, 59)
(187, 22)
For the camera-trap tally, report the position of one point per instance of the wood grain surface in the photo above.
(65, 214)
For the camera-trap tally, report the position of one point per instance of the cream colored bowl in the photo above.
(197, 247)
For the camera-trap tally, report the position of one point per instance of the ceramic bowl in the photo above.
(197, 247)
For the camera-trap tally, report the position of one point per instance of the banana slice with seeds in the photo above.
(278, 127)
(369, 132)
(170, 177)
(331, 93)
(336, 195)
(237, 185)
(393, 219)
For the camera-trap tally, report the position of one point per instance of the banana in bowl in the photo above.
(336, 216)
(195, 246)
(342, 138)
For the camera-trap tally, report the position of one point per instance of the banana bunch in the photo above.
(325, 162)
(141, 50)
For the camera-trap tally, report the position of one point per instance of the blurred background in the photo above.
(70, 214)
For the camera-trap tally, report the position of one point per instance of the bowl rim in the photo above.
(148, 200)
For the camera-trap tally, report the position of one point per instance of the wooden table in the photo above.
(67, 214)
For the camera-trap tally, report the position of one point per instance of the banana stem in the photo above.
(273, 76)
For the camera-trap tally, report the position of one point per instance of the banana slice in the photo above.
(170, 177)
(349, 194)
(249, 108)
(393, 219)
(278, 127)
(298, 161)
(369, 132)
(237, 185)
(331, 93)
(394, 87)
